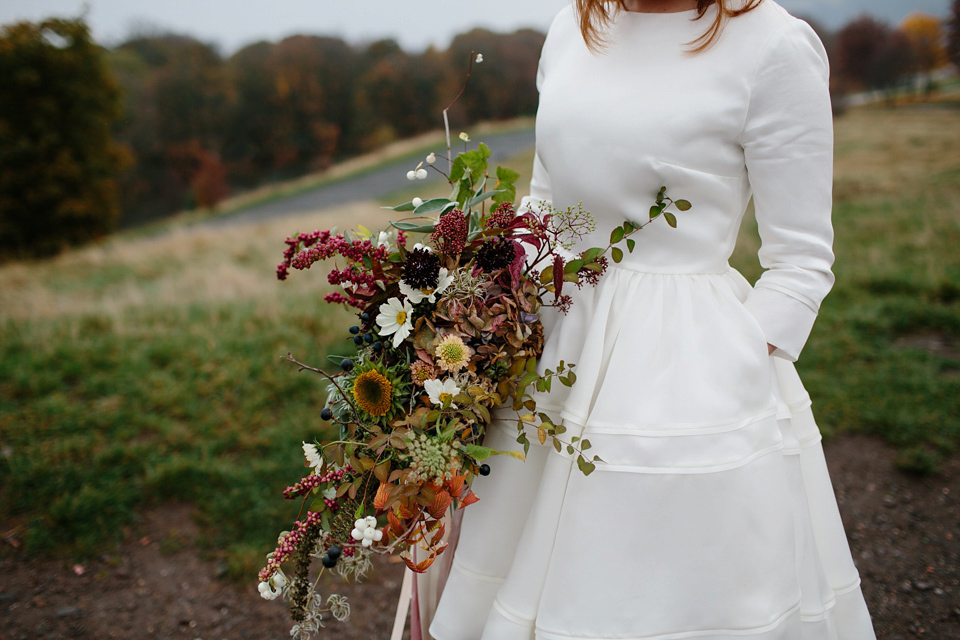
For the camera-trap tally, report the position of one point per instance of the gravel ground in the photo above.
(904, 533)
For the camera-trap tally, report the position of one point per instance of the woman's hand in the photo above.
(770, 349)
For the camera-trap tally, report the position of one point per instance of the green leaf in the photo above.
(591, 254)
(683, 205)
(505, 184)
(456, 172)
(483, 196)
(406, 206)
(616, 235)
(507, 176)
(546, 276)
(433, 205)
(617, 254)
(573, 266)
(654, 211)
(528, 378)
(585, 444)
(671, 219)
(631, 243)
(588, 468)
(557, 445)
(415, 228)
(570, 449)
(480, 454)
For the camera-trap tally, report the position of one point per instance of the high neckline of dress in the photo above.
(685, 12)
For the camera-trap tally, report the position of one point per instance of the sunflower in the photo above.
(379, 392)
(373, 392)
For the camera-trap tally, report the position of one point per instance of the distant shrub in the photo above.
(58, 160)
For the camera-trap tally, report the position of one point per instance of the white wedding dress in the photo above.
(713, 515)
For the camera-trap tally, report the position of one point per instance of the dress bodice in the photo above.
(747, 117)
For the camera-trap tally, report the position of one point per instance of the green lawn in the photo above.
(147, 369)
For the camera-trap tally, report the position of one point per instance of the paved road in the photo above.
(368, 185)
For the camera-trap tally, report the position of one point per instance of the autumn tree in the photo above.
(953, 38)
(871, 55)
(176, 95)
(503, 85)
(926, 40)
(58, 158)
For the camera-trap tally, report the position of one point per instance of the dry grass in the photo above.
(183, 267)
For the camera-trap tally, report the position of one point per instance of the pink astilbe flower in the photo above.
(335, 297)
(320, 245)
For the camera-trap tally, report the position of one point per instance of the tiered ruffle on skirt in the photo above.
(712, 515)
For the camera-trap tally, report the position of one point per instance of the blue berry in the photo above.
(354, 329)
(364, 316)
(334, 551)
(377, 346)
(329, 562)
(326, 413)
(368, 338)
(484, 469)
(358, 340)
(346, 364)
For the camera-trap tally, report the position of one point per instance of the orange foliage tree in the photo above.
(926, 39)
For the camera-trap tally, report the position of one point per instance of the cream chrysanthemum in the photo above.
(452, 354)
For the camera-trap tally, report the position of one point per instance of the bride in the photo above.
(712, 515)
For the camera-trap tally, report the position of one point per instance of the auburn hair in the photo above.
(592, 13)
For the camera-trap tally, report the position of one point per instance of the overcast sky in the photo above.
(414, 23)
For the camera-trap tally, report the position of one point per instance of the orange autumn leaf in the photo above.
(382, 497)
(440, 504)
(455, 485)
(469, 499)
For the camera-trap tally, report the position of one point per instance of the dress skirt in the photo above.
(712, 514)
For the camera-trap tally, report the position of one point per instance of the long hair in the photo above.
(595, 12)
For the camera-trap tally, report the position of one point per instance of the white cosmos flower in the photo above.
(416, 202)
(313, 455)
(440, 391)
(444, 280)
(396, 318)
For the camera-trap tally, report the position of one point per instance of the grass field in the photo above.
(147, 369)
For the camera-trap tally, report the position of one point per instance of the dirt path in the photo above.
(904, 532)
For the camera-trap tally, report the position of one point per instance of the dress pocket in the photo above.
(709, 192)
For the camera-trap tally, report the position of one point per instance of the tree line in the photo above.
(91, 137)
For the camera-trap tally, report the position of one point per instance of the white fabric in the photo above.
(713, 515)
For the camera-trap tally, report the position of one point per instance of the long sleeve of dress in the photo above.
(787, 140)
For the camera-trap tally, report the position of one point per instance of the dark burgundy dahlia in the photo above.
(496, 253)
(421, 269)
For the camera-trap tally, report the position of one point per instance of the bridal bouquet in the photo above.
(448, 329)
